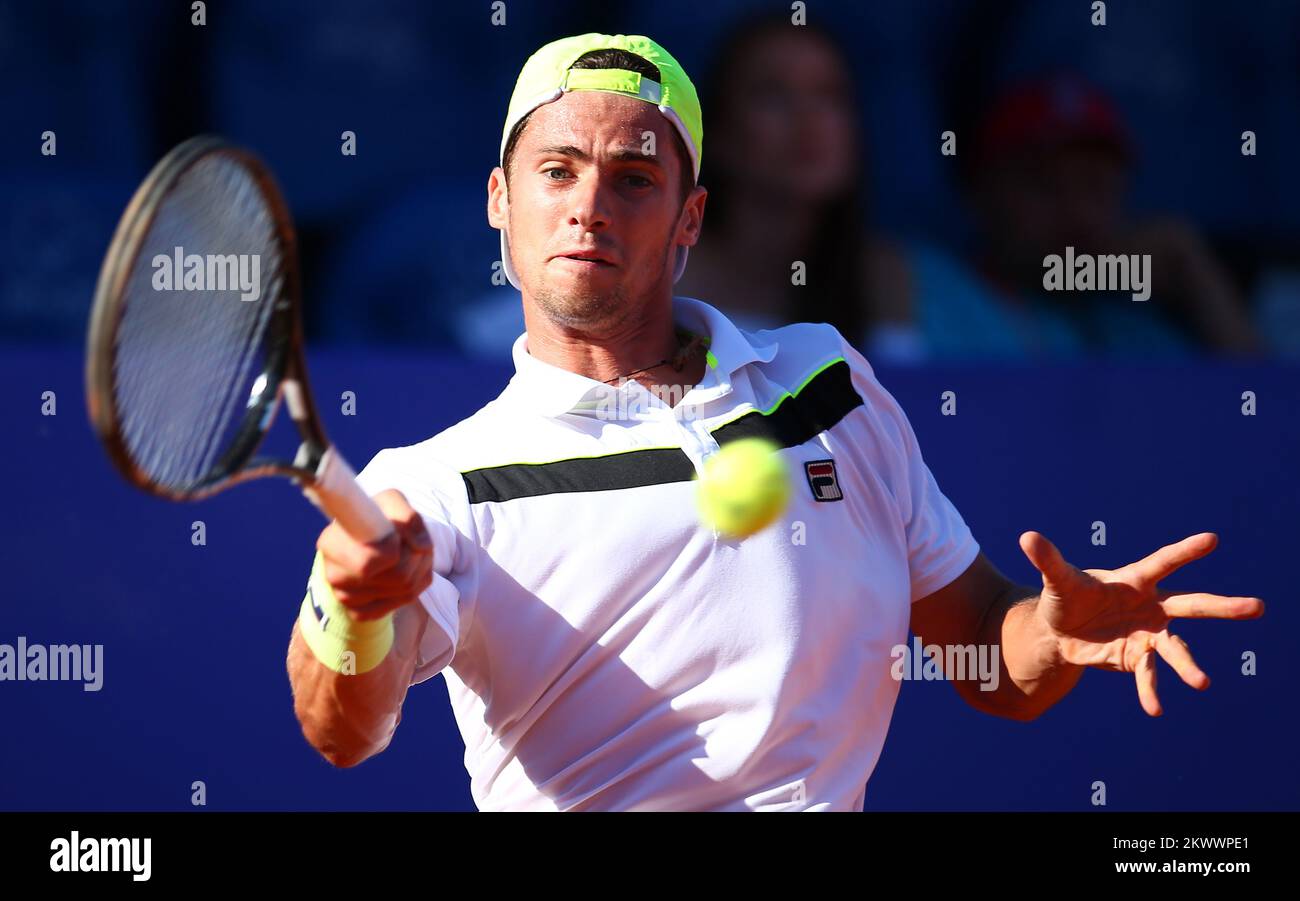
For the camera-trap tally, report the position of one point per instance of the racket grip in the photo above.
(338, 496)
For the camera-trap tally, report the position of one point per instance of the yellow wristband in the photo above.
(337, 641)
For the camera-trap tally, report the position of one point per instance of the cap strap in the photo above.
(622, 81)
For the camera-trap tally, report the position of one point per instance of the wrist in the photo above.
(342, 644)
(1048, 642)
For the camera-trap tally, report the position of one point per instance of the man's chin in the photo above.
(575, 305)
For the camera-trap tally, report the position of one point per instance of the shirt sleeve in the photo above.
(940, 545)
(438, 496)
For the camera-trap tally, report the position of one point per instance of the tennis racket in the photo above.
(196, 338)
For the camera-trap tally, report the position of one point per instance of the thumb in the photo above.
(417, 533)
(407, 521)
(1046, 559)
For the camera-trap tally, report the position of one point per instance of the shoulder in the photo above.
(436, 464)
(805, 349)
(818, 363)
(830, 381)
(799, 342)
(456, 448)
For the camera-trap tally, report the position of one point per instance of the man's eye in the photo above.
(550, 172)
(644, 182)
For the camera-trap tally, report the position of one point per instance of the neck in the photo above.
(606, 353)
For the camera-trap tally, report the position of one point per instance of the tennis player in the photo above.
(604, 650)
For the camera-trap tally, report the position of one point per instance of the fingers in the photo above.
(360, 569)
(345, 557)
(412, 576)
(379, 608)
(1047, 559)
(1176, 653)
(409, 575)
(1146, 683)
(401, 513)
(1211, 606)
(1159, 564)
(366, 561)
(373, 579)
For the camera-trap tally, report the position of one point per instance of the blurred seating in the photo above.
(424, 86)
(1194, 74)
(407, 270)
(86, 77)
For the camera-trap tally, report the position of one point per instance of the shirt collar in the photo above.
(553, 391)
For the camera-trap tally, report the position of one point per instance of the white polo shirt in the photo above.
(604, 650)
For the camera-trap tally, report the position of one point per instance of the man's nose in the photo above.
(589, 201)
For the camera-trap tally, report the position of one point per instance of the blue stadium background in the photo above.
(195, 686)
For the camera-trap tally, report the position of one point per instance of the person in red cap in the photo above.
(1048, 176)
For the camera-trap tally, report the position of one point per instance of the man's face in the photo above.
(580, 180)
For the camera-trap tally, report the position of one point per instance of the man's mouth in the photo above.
(585, 259)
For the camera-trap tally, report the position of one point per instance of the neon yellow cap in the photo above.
(548, 75)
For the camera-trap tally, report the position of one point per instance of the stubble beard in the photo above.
(594, 310)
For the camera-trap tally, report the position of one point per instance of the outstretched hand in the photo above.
(1118, 619)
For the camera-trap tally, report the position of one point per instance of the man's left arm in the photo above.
(1110, 619)
(982, 607)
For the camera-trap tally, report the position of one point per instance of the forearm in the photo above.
(1032, 674)
(349, 718)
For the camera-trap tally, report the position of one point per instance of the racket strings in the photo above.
(187, 347)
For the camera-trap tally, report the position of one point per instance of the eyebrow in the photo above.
(623, 155)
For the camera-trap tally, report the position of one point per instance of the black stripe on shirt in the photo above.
(629, 469)
(823, 402)
(826, 399)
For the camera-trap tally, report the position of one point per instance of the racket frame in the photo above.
(284, 370)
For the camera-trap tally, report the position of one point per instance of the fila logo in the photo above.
(822, 480)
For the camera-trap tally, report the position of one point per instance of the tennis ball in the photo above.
(744, 487)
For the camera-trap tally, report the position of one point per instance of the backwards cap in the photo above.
(548, 75)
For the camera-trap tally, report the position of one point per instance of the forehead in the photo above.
(593, 120)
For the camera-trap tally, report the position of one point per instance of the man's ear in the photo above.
(498, 201)
(691, 220)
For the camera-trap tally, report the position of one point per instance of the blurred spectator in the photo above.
(1049, 170)
(785, 179)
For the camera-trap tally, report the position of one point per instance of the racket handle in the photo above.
(338, 495)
